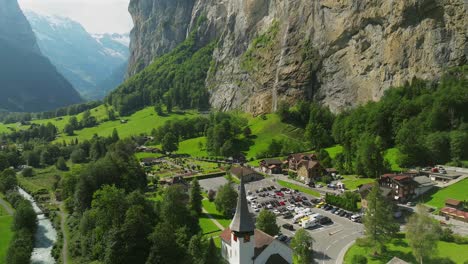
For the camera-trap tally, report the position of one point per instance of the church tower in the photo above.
(242, 231)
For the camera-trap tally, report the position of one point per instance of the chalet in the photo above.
(248, 174)
(242, 243)
(309, 171)
(402, 186)
(294, 160)
(271, 166)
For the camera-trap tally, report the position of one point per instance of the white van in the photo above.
(310, 223)
(356, 218)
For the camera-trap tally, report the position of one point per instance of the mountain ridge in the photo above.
(84, 59)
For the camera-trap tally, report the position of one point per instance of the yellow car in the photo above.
(320, 204)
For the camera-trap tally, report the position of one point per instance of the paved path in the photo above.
(213, 219)
(7, 207)
(63, 218)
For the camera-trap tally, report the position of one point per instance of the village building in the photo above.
(294, 160)
(424, 184)
(402, 186)
(271, 166)
(241, 243)
(246, 173)
(310, 171)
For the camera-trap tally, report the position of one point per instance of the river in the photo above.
(45, 237)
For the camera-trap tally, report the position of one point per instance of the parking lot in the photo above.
(332, 233)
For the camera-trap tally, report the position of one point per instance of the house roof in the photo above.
(272, 162)
(262, 240)
(301, 156)
(242, 221)
(423, 181)
(309, 164)
(238, 171)
(396, 260)
(454, 212)
(452, 202)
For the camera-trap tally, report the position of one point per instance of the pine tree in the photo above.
(196, 197)
(379, 224)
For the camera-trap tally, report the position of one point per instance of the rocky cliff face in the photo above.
(339, 52)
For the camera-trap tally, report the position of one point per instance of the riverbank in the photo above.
(6, 221)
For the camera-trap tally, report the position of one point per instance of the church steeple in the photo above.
(242, 222)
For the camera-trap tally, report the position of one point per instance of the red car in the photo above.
(282, 203)
(280, 194)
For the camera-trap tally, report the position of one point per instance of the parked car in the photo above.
(325, 220)
(282, 203)
(342, 214)
(290, 207)
(356, 218)
(333, 210)
(276, 212)
(288, 227)
(273, 187)
(319, 185)
(306, 203)
(304, 198)
(327, 207)
(288, 216)
(338, 211)
(319, 205)
(280, 194)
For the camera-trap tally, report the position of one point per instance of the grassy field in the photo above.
(455, 191)
(6, 233)
(192, 147)
(352, 182)
(299, 188)
(399, 247)
(211, 209)
(391, 155)
(207, 225)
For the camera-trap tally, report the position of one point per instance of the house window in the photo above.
(247, 238)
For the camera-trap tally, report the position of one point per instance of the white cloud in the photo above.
(97, 16)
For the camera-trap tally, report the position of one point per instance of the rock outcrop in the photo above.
(339, 52)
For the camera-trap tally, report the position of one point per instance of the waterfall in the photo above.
(280, 63)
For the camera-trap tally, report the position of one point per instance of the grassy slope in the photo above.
(399, 247)
(352, 182)
(455, 191)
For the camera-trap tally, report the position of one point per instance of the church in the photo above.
(241, 243)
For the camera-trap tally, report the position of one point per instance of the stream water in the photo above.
(45, 237)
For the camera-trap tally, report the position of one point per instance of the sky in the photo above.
(96, 16)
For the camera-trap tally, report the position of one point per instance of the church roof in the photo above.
(242, 221)
(262, 239)
(276, 259)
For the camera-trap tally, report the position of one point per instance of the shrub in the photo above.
(27, 172)
(211, 195)
(359, 259)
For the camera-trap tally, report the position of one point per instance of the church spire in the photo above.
(242, 222)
